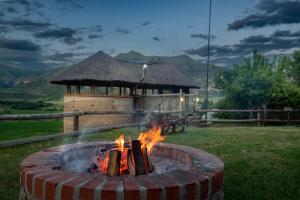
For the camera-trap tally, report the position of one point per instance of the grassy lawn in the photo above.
(260, 163)
(10, 130)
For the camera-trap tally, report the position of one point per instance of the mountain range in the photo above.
(21, 82)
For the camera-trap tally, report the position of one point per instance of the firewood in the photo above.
(130, 163)
(113, 168)
(139, 162)
(148, 163)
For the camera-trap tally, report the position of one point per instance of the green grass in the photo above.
(260, 163)
(10, 130)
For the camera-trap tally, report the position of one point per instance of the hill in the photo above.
(32, 86)
(193, 68)
(28, 84)
(9, 76)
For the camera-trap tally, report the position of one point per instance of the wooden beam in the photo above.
(69, 89)
(113, 167)
(77, 89)
(139, 162)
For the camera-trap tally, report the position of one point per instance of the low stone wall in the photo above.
(41, 177)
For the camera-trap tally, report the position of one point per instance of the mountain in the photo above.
(28, 85)
(10, 75)
(192, 68)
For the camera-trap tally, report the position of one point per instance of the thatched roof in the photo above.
(101, 69)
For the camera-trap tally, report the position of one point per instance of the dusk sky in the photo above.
(60, 32)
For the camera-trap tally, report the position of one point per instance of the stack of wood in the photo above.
(138, 162)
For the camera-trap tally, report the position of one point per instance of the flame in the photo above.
(120, 142)
(149, 138)
(123, 163)
(103, 164)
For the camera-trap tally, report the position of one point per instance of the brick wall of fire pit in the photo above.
(199, 175)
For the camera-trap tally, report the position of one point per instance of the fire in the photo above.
(120, 142)
(103, 164)
(149, 138)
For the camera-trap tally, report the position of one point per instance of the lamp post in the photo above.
(208, 58)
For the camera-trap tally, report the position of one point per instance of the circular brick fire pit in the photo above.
(180, 172)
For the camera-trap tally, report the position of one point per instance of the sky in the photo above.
(54, 33)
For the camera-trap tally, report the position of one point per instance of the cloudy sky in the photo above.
(38, 33)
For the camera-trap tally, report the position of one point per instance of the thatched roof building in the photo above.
(101, 69)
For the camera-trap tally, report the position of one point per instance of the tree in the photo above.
(257, 82)
(285, 93)
(248, 85)
(295, 67)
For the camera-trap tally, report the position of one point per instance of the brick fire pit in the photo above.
(192, 174)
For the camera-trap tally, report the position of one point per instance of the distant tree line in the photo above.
(259, 82)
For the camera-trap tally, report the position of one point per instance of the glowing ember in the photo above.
(149, 138)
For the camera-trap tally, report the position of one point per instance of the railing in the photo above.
(261, 116)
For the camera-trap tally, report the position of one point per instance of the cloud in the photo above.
(270, 12)
(94, 36)
(28, 7)
(146, 23)
(61, 57)
(68, 35)
(156, 39)
(278, 41)
(202, 36)
(21, 45)
(122, 30)
(11, 10)
(70, 4)
(24, 25)
(190, 26)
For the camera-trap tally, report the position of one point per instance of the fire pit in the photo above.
(124, 169)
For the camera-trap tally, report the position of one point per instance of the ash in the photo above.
(163, 165)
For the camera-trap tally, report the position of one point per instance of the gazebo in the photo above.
(101, 83)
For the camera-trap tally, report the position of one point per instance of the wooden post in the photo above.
(76, 123)
(180, 98)
(120, 91)
(111, 90)
(113, 167)
(77, 89)
(139, 163)
(148, 164)
(69, 89)
(258, 118)
(130, 91)
(130, 163)
(152, 91)
(124, 91)
(93, 90)
(106, 90)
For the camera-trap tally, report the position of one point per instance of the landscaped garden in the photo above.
(260, 162)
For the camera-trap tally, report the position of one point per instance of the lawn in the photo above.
(10, 130)
(260, 163)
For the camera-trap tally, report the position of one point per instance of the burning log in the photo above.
(138, 158)
(148, 163)
(113, 168)
(130, 163)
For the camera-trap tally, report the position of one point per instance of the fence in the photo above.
(187, 103)
(260, 116)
